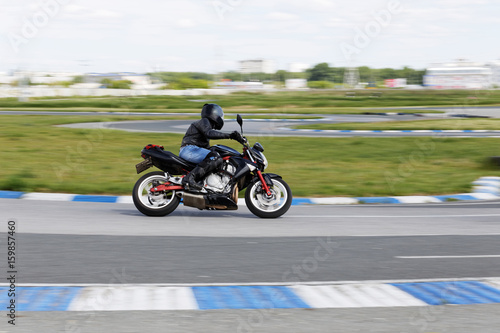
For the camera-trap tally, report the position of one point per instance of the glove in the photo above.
(237, 137)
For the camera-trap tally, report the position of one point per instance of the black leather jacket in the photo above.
(200, 132)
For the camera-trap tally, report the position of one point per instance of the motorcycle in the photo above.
(159, 193)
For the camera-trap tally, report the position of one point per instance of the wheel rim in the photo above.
(272, 203)
(154, 201)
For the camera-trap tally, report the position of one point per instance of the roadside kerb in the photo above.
(311, 295)
(484, 188)
(465, 132)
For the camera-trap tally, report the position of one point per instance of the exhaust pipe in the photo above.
(194, 200)
(208, 201)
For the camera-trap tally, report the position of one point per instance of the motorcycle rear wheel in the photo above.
(154, 205)
(272, 206)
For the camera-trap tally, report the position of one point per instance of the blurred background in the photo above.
(206, 44)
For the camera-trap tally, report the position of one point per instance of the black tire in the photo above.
(272, 207)
(162, 205)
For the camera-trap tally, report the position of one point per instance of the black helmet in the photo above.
(214, 113)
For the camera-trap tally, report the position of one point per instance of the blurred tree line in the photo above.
(321, 75)
(182, 80)
(116, 84)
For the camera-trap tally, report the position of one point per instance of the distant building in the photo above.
(495, 72)
(297, 67)
(296, 83)
(461, 74)
(395, 83)
(41, 78)
(257, 66)
(6, 79)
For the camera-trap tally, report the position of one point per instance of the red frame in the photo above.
(166, 187)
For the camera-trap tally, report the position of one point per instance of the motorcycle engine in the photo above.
(217, 182)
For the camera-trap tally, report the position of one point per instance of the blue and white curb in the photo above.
(386, 131)
(487, 185)
(217, 297)
(485, 188)
(65, 197)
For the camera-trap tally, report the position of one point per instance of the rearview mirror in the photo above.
(240, 121)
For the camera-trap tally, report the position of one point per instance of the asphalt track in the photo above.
(67, 242)
(76, 242)
(256, 127)
(282, 127)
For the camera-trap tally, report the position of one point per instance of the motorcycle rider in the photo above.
(195, 146)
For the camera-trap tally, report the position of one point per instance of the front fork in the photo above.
(264, 183)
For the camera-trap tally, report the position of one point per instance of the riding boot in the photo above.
(190, 180)
(211, 163)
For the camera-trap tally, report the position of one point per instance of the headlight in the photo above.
(259, 157)
(265, 161)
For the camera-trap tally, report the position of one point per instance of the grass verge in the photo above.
(36, 156)
(438, 124)
(317, 101)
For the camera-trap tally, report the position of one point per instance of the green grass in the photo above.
(36, 156)
(438, 124)
(317, 101)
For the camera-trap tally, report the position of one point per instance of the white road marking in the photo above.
(441, 204)
(387, 216)
(261, 283)
(449, 257)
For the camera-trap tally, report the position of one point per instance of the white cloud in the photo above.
(455, 3)
(83, 13)
(321, 3)
(247, 27)
(337, 22)
(185, 23)
(103, 13)
(131, 33)
(281, 16)
(310, 5)
(72, 8)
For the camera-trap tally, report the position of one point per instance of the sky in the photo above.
(213, 35)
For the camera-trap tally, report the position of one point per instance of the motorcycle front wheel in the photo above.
(272, 206)
(150, 204)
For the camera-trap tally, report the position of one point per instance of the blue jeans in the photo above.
(193, 153)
